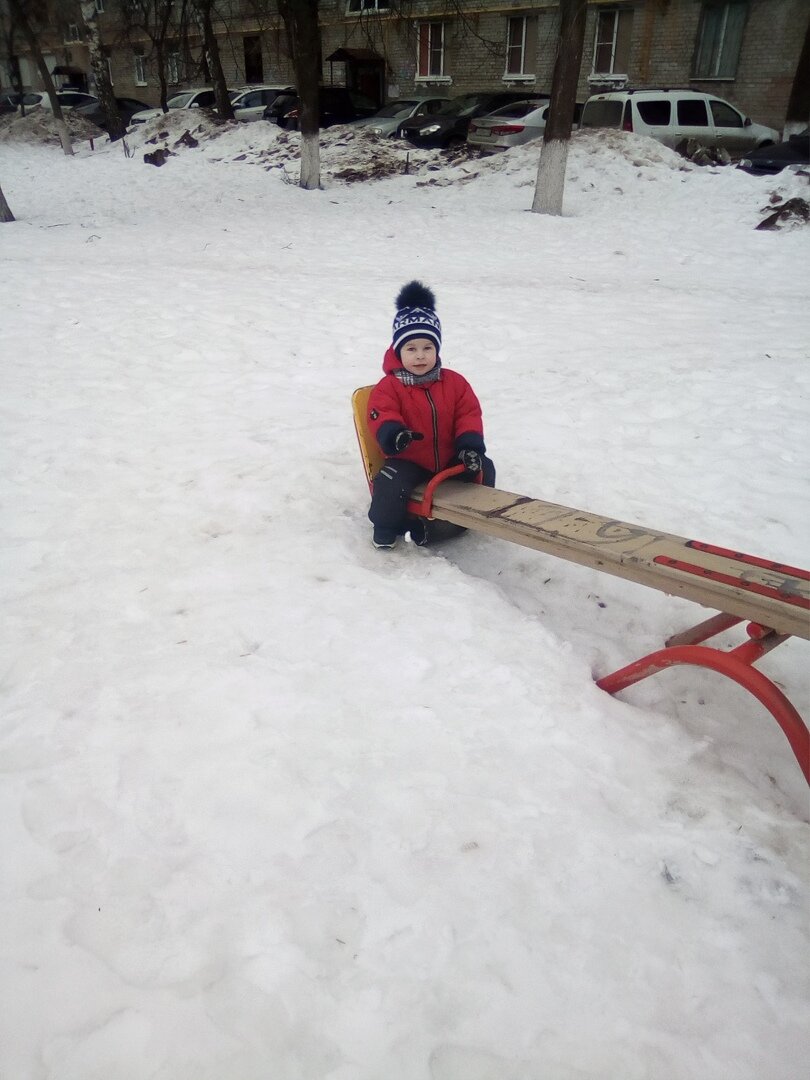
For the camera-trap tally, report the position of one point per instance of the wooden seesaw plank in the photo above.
(757, 590)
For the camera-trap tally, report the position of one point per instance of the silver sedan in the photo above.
(512, 125)
(387, 120)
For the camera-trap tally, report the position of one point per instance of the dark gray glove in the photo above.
(471, 460)
(404, 438)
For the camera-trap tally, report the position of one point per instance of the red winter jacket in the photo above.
(446, 412)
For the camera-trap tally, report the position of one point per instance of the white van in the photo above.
(675, 116)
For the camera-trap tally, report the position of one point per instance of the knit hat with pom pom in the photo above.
(416, 317)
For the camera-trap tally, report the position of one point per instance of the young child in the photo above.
(424, 416)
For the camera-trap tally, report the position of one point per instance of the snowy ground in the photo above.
(278, 805)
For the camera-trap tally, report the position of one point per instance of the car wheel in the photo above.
(454, 142)
(768, 142)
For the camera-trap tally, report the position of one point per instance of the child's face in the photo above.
(418, 356)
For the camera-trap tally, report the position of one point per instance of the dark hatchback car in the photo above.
(337, 104)
(9, 103)
(448, 127)
(127, 107)
(768, 160)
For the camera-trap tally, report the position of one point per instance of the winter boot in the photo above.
(384, 538)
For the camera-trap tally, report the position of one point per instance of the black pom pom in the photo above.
(415, 294)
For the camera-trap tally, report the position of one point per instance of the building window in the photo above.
(611, 49)
(430, 64)
(72, 32)
(720, 39)
(254, 67)
(140, 69)
(357, 7)
(521, 48)
(173, 68)
(100, 7)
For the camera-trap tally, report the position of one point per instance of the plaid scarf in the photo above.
(407, 378)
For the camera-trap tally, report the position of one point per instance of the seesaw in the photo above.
(772, 598)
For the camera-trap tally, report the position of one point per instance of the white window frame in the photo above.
(173, 68)
(521, 76)
(72, 34)
(596, 42)
(109, 70)
(718, 59)
(99, 7)
(367, 7)
(429, 26)
(140, 69)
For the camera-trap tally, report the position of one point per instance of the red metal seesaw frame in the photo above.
(424, 506)
(685, 648)
(737, 664)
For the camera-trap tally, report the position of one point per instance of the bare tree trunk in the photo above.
(223, 101)
(5, 209)
(548, 192)
(116, 128)
(21, 19)
(160, 56)
(304, 38)
(8, 47)
(798, 110)
(160, 52)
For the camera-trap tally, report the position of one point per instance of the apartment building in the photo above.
(754, 53)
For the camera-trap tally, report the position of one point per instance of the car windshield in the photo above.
(395, 109)
(179, 101)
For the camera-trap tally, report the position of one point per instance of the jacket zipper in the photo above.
(435, 431)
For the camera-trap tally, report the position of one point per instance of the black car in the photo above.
(768, 160)
(127, 107)
(448, 127)
(337, 105)
(10, 103)
(279, 107)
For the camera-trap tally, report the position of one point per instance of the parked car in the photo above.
(69, 99)
(338, 105)
(512, 125)
(276, 111)
(32, 99)
(127, 107)
(448, 127)
(386, 120)
(250, 102)
(769, 160)
(9, 103)
(673, 117)
(201, 98)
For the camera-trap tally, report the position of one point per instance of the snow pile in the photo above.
(166, 129)
(38, 126)
(346, 154)
(350, 154)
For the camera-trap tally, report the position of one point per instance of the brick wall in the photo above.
(663, 37)
(772, 40)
